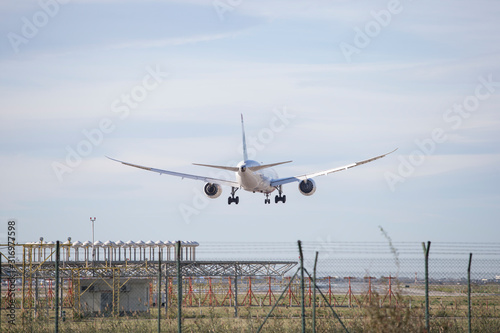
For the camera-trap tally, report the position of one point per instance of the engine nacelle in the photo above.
(307, 187)
(212, 190)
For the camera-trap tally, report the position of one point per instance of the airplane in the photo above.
(254, 177)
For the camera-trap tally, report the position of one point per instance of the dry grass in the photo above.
(371, 318)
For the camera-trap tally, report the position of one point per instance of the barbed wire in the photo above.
(402, 248)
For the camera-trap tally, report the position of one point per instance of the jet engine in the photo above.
(307, 187)
(212, 190)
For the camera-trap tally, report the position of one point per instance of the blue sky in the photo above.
(66, 67)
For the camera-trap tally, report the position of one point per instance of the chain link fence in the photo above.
(360, 287)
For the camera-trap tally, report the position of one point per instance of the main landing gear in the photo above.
(280, 197)
(232, 198)
(277, 198)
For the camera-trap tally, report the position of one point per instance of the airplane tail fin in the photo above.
(245, 154)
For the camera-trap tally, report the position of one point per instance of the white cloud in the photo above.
(435, 165)
(174, 41)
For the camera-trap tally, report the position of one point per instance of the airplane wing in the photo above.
(182, 175)
(281, 181)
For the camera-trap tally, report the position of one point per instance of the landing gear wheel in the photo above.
(280, 197)
(267, 200)
(232, 198)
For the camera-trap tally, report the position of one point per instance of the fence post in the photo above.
(179, 287)
(166, 289)
(314, 294)
(61, 298)
(36, 295)
(57, 289)
(329, 305)
(236, 292)
(468, 293)
(302, 287)
(158, 301)
(1, 291)
(426, 252)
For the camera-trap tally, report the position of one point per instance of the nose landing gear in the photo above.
(267, 200)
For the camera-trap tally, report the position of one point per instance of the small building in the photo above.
(97, 297)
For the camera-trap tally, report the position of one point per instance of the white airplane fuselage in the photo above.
(255, 181)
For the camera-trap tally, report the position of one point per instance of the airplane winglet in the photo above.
(112, 159)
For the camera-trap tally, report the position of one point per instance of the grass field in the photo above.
(406, 314)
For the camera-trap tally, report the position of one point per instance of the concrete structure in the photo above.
(97, 295)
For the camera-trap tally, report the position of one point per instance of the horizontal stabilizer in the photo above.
(234, 169)
(260, 167)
